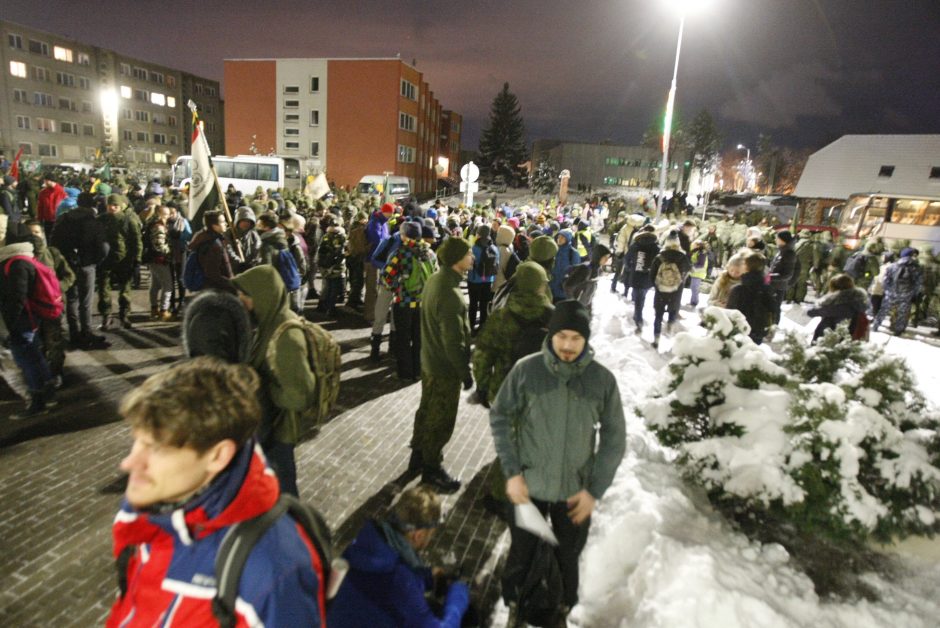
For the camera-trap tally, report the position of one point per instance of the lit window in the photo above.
(126, 92)
(157, 98)
(62, 54)
(18, 68)
(170, 101)
(84, 59)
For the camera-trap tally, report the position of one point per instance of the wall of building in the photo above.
(301, 129)
(608, 164)
(251, 109)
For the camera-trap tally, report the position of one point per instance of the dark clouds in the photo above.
(803, 70)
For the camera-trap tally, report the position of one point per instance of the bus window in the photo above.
(907, 211)
(852, 215)
(932, 215)
(245, 171)
(874, 218)
(224, 169)
(267, 172)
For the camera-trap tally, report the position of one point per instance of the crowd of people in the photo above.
(495, 297)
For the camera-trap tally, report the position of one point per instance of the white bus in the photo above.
(892, 217)
(399, 187)
(247, 172)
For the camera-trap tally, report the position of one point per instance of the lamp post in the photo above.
(747, 166)
(667, 123)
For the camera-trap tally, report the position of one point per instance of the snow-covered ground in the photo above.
(659, 555)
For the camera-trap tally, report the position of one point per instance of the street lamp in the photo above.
(682, 7)
(747, 166)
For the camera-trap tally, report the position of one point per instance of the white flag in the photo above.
(202, 189)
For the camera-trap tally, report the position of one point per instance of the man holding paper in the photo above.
(546, 420)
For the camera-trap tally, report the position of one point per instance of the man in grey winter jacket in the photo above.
(545, 422)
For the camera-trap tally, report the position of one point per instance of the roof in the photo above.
(853, 163)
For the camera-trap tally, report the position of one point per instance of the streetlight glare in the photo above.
(687, 7)
(741, 146)
(109, 102)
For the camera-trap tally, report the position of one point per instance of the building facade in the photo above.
(350, 117)
(610, 165)
(449, 148)
(64, 101)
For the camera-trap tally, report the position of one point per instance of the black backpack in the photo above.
(855, 265)
(529, 338)
(489, 260)
(237, 545)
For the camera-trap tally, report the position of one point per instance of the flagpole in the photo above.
(218, 187)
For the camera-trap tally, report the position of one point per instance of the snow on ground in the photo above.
(658, 554)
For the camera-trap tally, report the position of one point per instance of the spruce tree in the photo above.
(502, 145)
(543, 178)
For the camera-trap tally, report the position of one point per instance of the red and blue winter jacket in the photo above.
(171, 573)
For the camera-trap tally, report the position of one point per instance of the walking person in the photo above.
(668, 271)
(636, 267)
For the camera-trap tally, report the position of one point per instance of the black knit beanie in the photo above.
(570, 314)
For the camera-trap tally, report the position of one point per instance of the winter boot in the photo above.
(440, 480)
(376, 346)
(656, 341)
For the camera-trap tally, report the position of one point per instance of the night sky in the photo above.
(803, 71)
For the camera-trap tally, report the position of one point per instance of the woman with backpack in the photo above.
(669, 270)
(482, 275)
(565, 258)
(843, 302)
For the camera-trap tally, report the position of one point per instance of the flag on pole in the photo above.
(317, 187)
(203, 195)
(15, 168)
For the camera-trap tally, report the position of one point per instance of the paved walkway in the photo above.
(60, 486)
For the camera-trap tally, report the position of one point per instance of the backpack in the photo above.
(489, 261)
(855, 265)
(45, 299)
(501, 296)
(358, 245)
(529, 338)
(286, 266)
(421, 271)
(194, 278)
(906, 280)
(237, 545)
(326, 362)
(668, 277)
(540, 596)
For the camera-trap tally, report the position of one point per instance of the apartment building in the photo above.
(350, 117)
(451, 125)
(67, 101)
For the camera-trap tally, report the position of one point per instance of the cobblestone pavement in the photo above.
(60, 486)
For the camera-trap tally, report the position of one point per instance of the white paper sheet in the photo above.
(529, 518)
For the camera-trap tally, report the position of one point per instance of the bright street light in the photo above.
(682, 7)
(747, 166)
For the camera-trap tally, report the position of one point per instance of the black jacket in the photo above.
(835, 307)
(782, 267)
(756, 301)
(80, 237)
(675, 256)
(639, 259)
(15, 287)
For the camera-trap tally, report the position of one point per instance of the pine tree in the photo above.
(544, 178)
(502, 145)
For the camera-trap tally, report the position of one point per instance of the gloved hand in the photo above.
(458, 598)
(468, 382)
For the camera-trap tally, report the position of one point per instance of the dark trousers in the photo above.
(436, 416)
(53, 344)
(571, 540)
(355, 265)
(639, 302)
(407, 340)
(779, 295)
(78, 302)
(480, 296)
(332, 288)
(663, 301)
(281, 459)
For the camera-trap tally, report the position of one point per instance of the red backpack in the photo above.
(45, 299)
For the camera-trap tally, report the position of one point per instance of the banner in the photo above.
(203, 195)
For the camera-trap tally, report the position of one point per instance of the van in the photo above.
(399, 188)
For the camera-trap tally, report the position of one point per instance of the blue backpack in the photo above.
(194, 279)
(286, 265)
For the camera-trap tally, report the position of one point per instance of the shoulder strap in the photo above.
(230, 561)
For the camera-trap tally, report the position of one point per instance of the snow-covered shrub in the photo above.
(832, 439)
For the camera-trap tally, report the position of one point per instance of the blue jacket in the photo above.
(385, 586)
(376, 229)
(566, 257)
(475, 275)
(68, 203)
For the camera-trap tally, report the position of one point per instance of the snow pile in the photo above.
(659, 555)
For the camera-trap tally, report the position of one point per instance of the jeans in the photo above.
(26, 347)
(639, 301)
(161, 286)
(663, 301)
(78, 302)
(695, 284)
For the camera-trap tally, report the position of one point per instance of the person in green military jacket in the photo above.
(288, 385)
(805, 248)
(559, 430)
(125, 248)
(445, 364)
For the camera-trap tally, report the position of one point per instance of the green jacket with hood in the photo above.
(445, 326)
(288, 384)
(492, 353)
(545, 420)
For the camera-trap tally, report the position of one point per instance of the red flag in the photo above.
(15, 168)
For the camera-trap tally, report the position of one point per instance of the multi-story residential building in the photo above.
(598, 165)
(67, 101)
(451, 125)
(350, 117)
